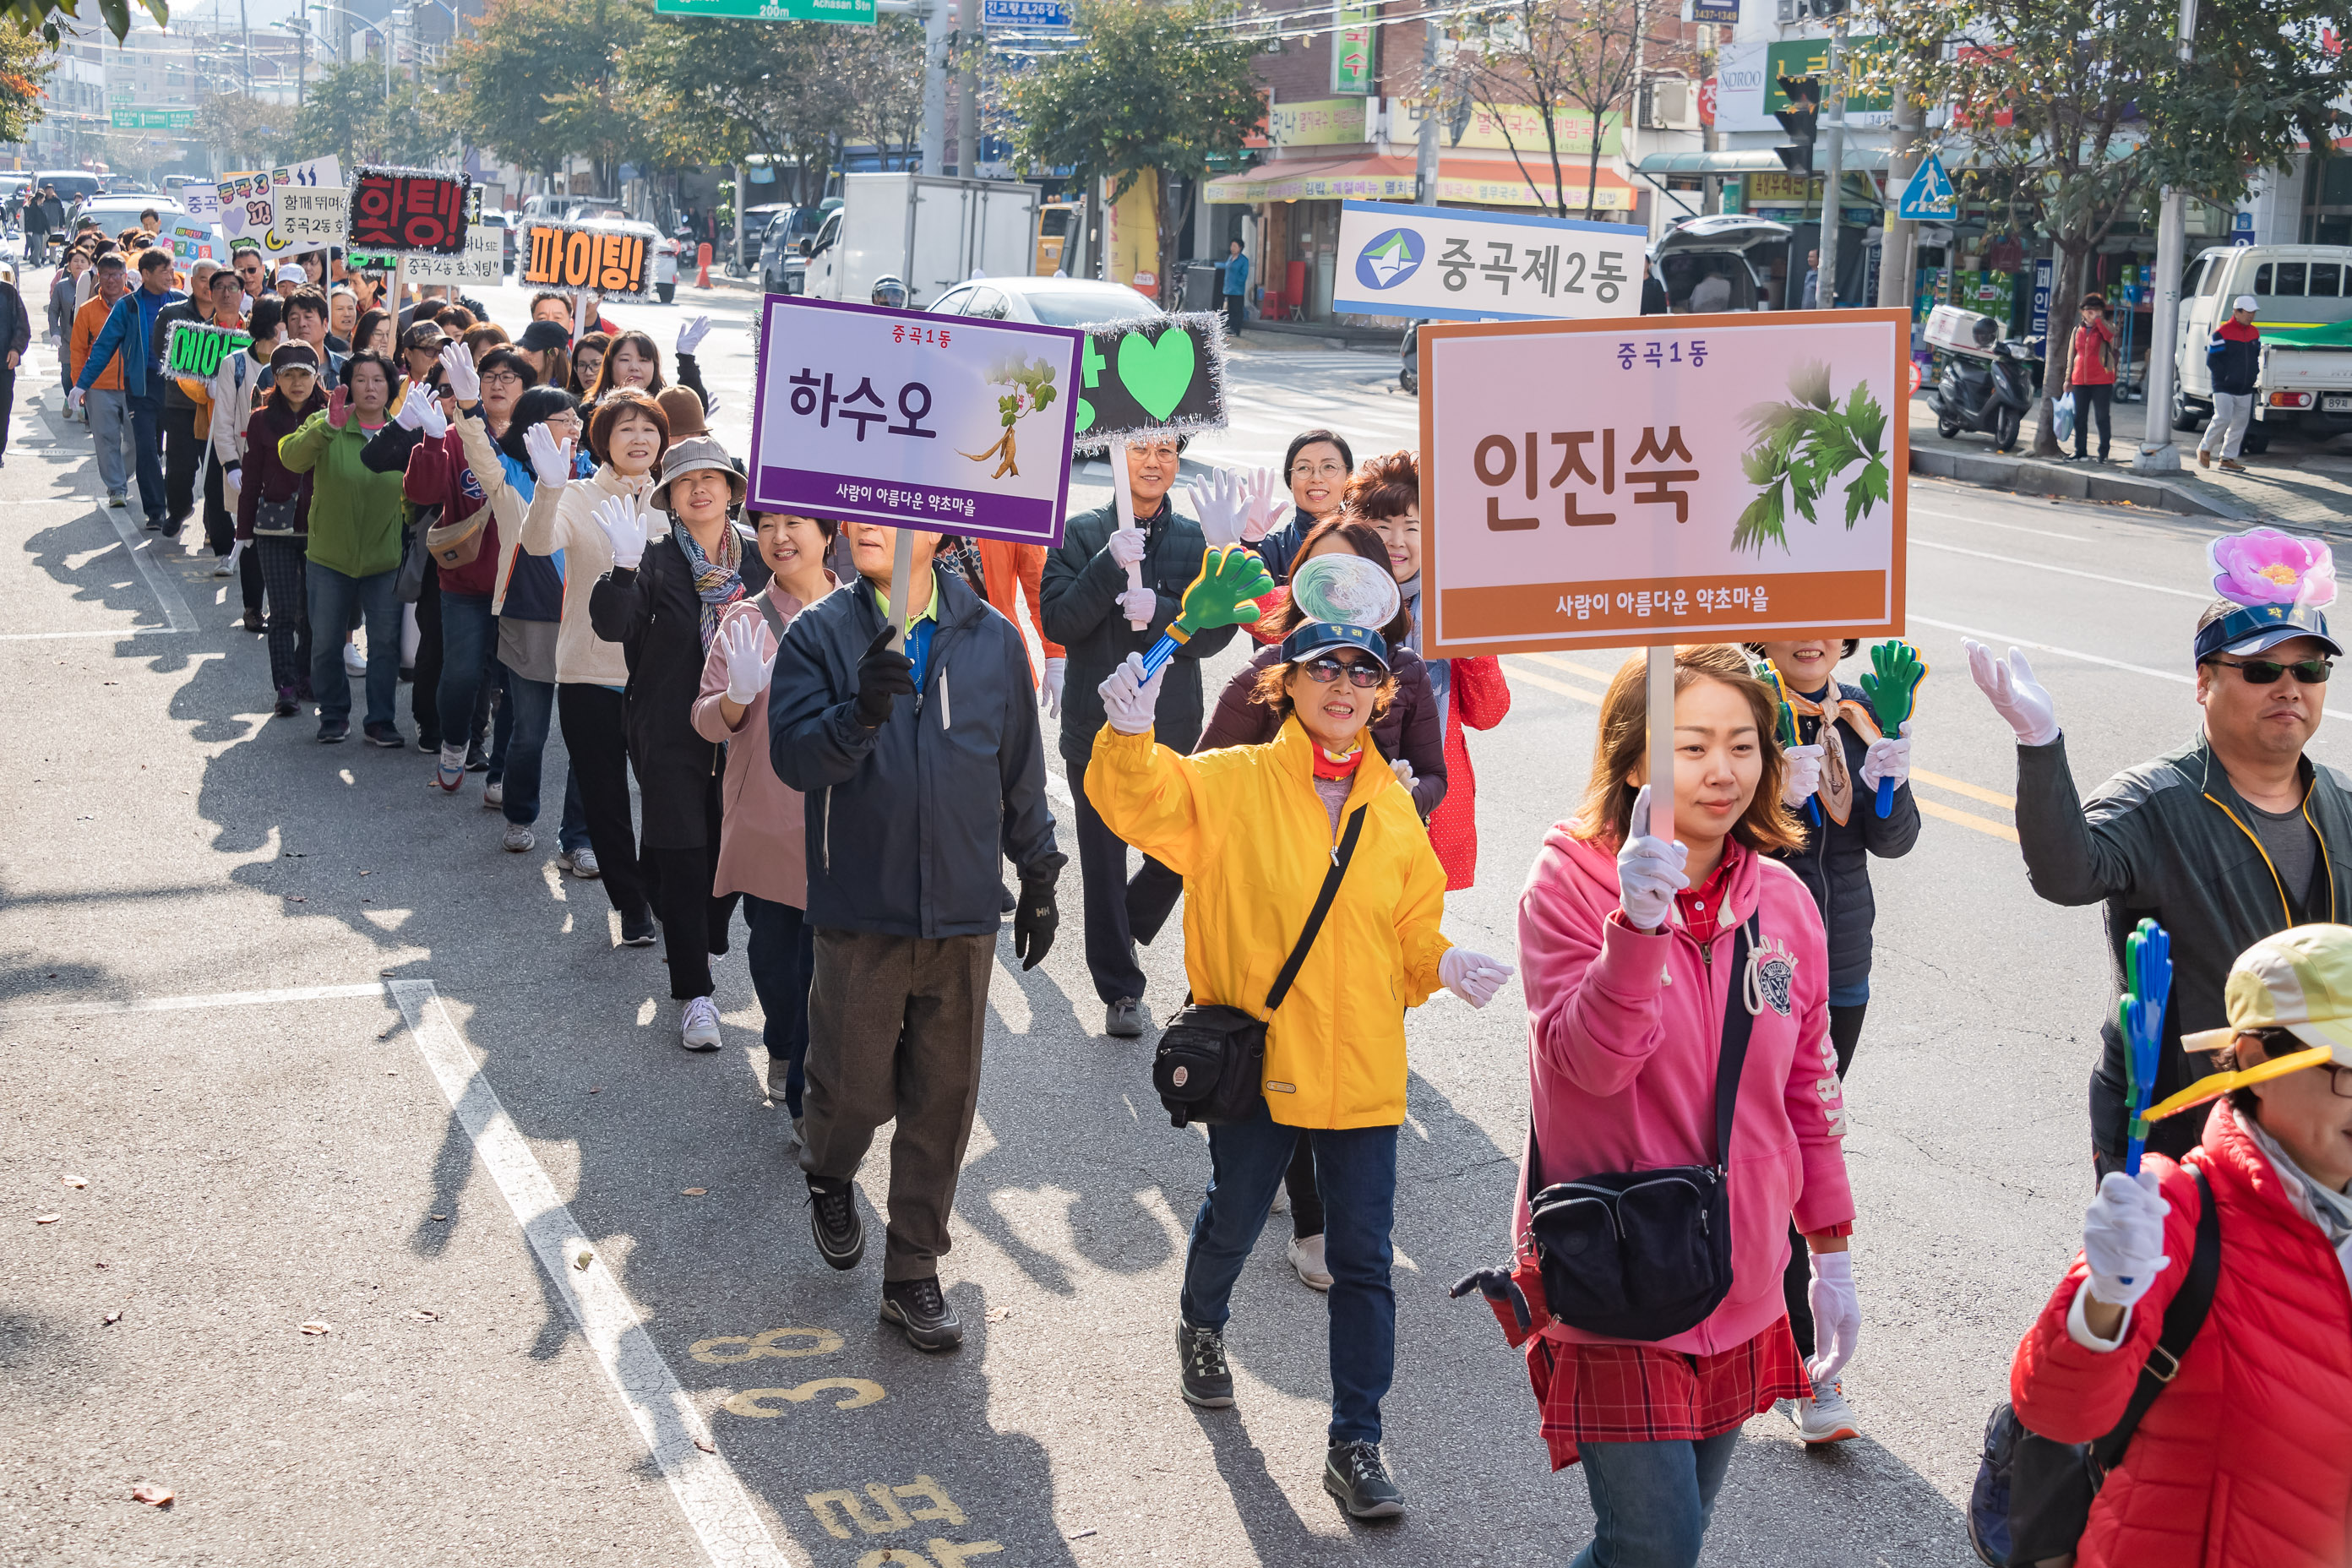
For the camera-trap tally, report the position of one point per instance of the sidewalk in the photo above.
(2302, 484)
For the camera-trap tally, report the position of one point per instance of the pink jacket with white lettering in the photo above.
(1623, 1032)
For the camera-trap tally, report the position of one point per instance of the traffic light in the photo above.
(1824, 9)
(1804, 96)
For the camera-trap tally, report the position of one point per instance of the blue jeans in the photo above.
(781, 956)
(518, 742)
(469, 641)
(335, 599)
(147, 450)
(1356, 1171)
(110, 427)
(1652, 1501)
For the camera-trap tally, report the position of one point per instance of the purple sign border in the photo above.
(762, 497)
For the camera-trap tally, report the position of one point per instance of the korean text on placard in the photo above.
(1661, 352)
(1551, 271)
(813, 396)
(1582, 467)
(904, 501)
(1664, 600)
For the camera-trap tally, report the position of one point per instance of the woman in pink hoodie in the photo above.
(1628, 948)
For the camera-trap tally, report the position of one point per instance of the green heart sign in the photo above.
(1157, 375)
(1143, 376)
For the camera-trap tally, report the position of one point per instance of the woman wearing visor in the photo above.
(1255, 831)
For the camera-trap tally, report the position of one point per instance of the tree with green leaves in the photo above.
(540, 83)
(55, 19)
(1167, 88)
(248, 132)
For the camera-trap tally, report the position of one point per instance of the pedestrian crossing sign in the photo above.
(1928, 197)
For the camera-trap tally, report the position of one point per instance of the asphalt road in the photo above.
(290, 1039)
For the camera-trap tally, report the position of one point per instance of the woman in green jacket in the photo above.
(354, 549)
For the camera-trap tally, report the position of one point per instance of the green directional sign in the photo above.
(860, 12)
(152, 119)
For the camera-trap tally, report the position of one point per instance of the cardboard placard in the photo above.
(190, 241)
(574, 258)
(196, 349)
(1166, 374)
(410, 211)
(953, 424)
(1662, 480)
(249, 201)
(311, 217)
(484, 261)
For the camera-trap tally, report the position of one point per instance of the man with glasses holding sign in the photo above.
(2223, 840)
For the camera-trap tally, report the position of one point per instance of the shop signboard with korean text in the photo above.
(1029, 15)
(860, 12)
(1355, 49)
(944, 423)
(1662, 479)
(1444, 264)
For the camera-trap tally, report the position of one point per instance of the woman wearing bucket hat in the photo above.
(2245, 1457)
(661, 603)
(1312, 821)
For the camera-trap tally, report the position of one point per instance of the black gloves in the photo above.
(1034, 920)
(882, 674)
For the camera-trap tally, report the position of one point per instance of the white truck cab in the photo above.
(2298, 289)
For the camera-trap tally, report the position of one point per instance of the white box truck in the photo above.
(2303, 308)
(930, 231)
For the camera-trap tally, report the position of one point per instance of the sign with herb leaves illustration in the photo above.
(1606, 483)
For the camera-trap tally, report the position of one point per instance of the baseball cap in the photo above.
(2279, 583)
(540, 336)
(296, 354)
(1325, 636)
(2299, 980)
(2244, 302)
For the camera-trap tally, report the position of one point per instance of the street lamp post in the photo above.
(382, 37)
(2158, 453)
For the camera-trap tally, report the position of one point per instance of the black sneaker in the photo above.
(477, 760)
(833, 1220)
(1208, 1382)
(638, 929)
(381, 733)
(429, 744)
(1354, 1473)
(916, 1307)
(333, 732)
(1124, 1017)
(286, 707)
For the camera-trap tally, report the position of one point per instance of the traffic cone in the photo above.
(702, 254)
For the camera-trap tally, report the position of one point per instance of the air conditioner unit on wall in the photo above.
(1669, 104)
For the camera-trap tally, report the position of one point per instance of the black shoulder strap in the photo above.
(2182, 1318)
(1339, 858)
(773, 615)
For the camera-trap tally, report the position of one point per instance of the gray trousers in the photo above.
(2232, 412)
(895, 1029)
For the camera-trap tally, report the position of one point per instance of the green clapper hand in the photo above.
(1893, 686)
(1224, 593)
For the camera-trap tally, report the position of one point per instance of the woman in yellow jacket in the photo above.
(1252, 830)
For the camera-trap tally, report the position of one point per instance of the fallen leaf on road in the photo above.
(696, 1191)
(598, 1089)
(112, 1317)
(316, 1326)
(76, 1182)
(426, 1315)
(998, 1314)
(153, 1496)
(706, 1444)
(46, 1218)
(440, 1216)
(584, 1259)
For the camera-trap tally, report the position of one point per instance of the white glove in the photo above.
(1649, 870)
(235, 549)
(1888, 759)
(74, 401)
(1129, 699)
(747, 672)
(1802, 775)
(244, 306)
(429, 417)
(457, 367)
(550, 460)
(624, 528)
(1265, 511)
(1837, 1314)
(2016, 695)
(1057, 670)
(1473, 977)
(411, 415)
(1403, 771)
(1222, 502)
(230, 486)
(1126, 546)
(1138, 605)
(691, 336)
(2123, 1237)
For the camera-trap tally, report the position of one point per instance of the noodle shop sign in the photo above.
(575, 258)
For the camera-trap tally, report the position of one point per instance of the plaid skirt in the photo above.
(1621, 1393)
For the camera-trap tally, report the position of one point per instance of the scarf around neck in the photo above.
(716, 583)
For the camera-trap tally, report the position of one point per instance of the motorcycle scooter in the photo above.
(1983, 396)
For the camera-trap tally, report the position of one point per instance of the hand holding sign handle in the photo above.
(1892, 685)
(2148, 965)
(1223, 592)
(1126, 515)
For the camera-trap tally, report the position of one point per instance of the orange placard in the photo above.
(572, 258)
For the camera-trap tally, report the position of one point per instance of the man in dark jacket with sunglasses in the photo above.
(2222, 841)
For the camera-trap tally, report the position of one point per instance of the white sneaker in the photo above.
(494, 794)
(519, 840)
(1307, 1257)
(354, 661)
(1825, 1418)
(699, 1025)
(580, 862)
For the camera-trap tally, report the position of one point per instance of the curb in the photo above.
(2026, 477)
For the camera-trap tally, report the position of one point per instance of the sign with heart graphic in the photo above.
(1139, 378)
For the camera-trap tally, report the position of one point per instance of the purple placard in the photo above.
(903, 482)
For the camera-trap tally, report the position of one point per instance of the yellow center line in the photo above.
(1974, 792)
(1602, 676)
(1520, 672)
(1943, 812)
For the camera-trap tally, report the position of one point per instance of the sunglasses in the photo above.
(2263, 672)
(1362, 672)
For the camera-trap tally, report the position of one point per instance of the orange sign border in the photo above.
(1898, 459)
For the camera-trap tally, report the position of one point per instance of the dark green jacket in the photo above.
(2170, 840)
(1080, 595)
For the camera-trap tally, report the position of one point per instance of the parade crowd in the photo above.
(539, 530)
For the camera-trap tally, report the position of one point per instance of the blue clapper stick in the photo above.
(1223, 592)
(2148, 969)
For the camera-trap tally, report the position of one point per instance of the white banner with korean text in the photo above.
(1449, 265)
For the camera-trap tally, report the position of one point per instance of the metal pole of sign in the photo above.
(902, 587)
(1662, 745)
(1117, 456)
(1425, 162)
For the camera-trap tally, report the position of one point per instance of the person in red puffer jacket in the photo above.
(2244, 1460)
(2091, 375)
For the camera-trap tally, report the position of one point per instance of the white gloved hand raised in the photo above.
(1129, 699)
(1649, 871)
(1222, 502)
(457, 368)
(747, 671)
(1473, 977)
(1803, 776)
(1888, 758)
(431, 420)
(1126, 546)
(1139, 605)
(2123, 1237)
(1837, 1315)
(1058, 671)
(1266, 512)
(551, 459)
(691, 336)
(410, 415)
(624, 528)
(2016, 696)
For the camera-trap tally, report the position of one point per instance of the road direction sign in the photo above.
(1035, 14)
(1928, 197)
(121, 119)
(860, 12)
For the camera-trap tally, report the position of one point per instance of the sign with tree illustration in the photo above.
(950, 424)
(1660, 479)
(1137, 378)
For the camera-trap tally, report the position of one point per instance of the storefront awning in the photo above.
(1485, 182)
(1753, 161)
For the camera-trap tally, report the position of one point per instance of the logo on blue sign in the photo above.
(1390, 258)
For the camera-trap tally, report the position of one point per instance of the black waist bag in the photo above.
(1646, 1254)
(1211, 1064)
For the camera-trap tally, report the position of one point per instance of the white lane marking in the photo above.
(1987, 522)
(52, 637)
(166, 592)
(183, 1004)
(2003, 639)
(716, 1508)
(2064, 571)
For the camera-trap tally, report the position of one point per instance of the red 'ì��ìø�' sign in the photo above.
(412, 211)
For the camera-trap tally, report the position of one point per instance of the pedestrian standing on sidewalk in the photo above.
(2234, 356)
(101, 400)
(1834, 865)
(131, 340)
(273, 513)
(236, 393)
(354, 550)
(661, 602)
(1235, 271)
(1316, 468)
(2091, 375)
(1649, 963)
(1265, 837)
(1092, 612)
(762, 831)
(903, 839)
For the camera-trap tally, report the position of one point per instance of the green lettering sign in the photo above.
(197, 349)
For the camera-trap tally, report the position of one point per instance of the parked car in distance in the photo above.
(784, 267)
(1047, 302)
(71, 185)
(504, 222)
(756, 221)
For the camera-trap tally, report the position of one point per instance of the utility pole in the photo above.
(935, 87)
(970, 42)
(1899, 249)
(1424, 166)
(1833, 173)
(2157, 452)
